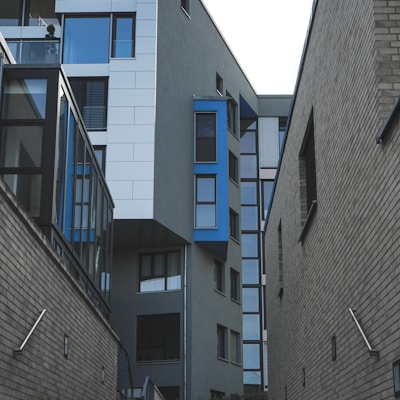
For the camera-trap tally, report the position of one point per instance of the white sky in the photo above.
(266, 37)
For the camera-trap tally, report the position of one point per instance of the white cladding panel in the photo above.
(268, 134)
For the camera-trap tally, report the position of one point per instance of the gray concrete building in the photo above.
(332, 236)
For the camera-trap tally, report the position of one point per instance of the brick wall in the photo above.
(32, 279)
(349, 256)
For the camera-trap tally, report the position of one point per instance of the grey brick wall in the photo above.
(350, 254)
(32, 279)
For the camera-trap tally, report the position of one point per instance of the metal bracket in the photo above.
(372, 351)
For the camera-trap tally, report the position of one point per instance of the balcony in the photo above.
(35, 51)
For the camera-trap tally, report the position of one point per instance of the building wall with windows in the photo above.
(332, 238)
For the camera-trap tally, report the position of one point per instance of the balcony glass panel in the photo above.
(35, 51)
(21, 146)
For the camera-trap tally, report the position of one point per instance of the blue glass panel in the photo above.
(248, 142)
(249, 218)
(252, 377)
(206, 189)
(248, 166)
(249, 245)
(251, 327)
(251, 356)
(250, 300)
(248, 192)
(86, 40)
(205, 215)
(123, 42)
(250, 271)
(267, 192)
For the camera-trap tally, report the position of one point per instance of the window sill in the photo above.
(220, 293)
(222, 359)
(237, 364)
(158, 291)
(158, 362)
(236, 301)
(186, 13)
(307, 223)
(235, 240)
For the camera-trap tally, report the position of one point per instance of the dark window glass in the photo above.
(205, 201)
(91, 96)
(158, 337)
(86, 40)
(248, 142)
(250, 271)
(233, 167)
(232, 114)
(267, 187)
(41, 12)
(235, 347)
(219, 85)
(251, 327)
(250, 299)
(11, 12)
(21, 146)
(248, 192)
(234, 224)
(219, 275)
(248, 166)
(206, 137)
(221, 342)
(333, 346)
(25, 99)
(123, 41)
(185, 5)
(235, 285)
(159, 272)
(249, 218)
(169, 392)
(100, 153)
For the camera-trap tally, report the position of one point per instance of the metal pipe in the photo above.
(21, 348)
(370, 349)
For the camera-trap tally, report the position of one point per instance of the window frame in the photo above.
(234, 231)
(235, 285)
(233, 167)
(114, 18)
(219, 84)
(235, 347)
(222, 342)
(210, 203)
(232, 113)
(219, 277)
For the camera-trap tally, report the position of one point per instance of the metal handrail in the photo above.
(372, 351)
(21, 348)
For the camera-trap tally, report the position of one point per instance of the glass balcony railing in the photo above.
(35, 51)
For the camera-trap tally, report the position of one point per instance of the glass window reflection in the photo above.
(249, 245)
(249, 218)
(251, 327)
(248, 166)
(248, 142)
(250, 271)
(248, 192)
(250, 299)
(251, 356)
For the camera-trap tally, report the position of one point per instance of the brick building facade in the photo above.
(332, 239)
(32, 279)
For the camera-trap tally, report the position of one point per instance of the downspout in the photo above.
(185, 325)
(1, 73)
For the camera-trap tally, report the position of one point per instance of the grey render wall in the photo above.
(349, 256)
(32, 279)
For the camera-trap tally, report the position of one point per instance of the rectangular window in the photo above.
(233, 167)
(158, 337)
(219, 276)
(280, 261)
(235, 285)
(232, 114)
(396, 378)
(123, 36)
(160, 272)
(222, 340)
(219, 84)
(185, 5)
(206, 143)
(234, 224)
(91, 95)
(206, 201)
(91, 48)
(235, 346)
(100, 153)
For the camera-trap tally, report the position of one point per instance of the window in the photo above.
(233, 167)
(267, 188)
(185, 5)
(123, 36)
(27, 12)
(100, 153)
(248, 193)
(249, 245)
(333, 347)
(158, 337)
(250, 300)
(248, 166)
(280, 261)
(232, 114)
(251, 326)
(307, 166)
(222, 342)
(86, 49)
(91, 95)
(160, 271)
(216, 395)
(206, 201)
(250, 271)
(219, 85)
(251, 356)
(206, 137)
(219, 276)
(396, 378)
(235, 347)
(169, 392)
(249, 218)
(235, 285)
(234, 224)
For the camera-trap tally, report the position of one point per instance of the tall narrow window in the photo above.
(232, 114)
(280, 262)
(234, 224)
(222, 342)
(91, 95)
(185, 5)
(206, 144)
(219, 276)
(206, 208)
(233, 167)
(219, 84)
(235, 285)
(123, 36)
(235, 346)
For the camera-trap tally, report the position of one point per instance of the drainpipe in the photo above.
(185, 326)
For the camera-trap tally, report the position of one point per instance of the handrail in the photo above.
(21, 348)
(372, 351)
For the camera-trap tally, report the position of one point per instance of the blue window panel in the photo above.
(249, 245)
(252, 377)
(248, 142)
(249, 218)
(250, 300)
(251, 356)
(86, 40)
(248, 166)
(248, 193)
(251, 327)
(250, 272)
(123, 36)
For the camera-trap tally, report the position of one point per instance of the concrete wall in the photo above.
(349, 255)
(32, 279)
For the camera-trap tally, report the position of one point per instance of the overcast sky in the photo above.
(266, 37)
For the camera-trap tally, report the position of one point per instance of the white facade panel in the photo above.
(268, 134)
(130, 170)
(145, 115)
(121, 190)
(120, 152)
(145, 45)
(144, 62)
(123, 5)
(145, 80)
(122, 80)
(143, 190)
(86, 69)
(76, 6)
(131, 133)
(143, 152)
(121, 115)
(147, 10)
(133, 209)
(146, 27)
(131, 97)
